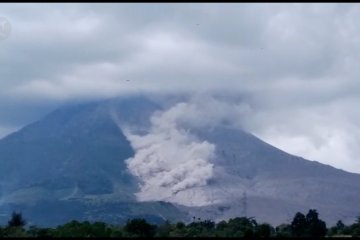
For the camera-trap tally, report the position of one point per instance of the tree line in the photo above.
(309, 225)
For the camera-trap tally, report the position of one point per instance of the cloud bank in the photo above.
(298, 62)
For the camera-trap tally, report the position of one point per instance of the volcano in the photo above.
(74, 164)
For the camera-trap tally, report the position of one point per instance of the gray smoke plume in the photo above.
(171, 162)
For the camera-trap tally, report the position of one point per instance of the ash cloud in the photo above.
(171, 162)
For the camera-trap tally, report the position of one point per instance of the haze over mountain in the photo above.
(162, 158)
(297, 62)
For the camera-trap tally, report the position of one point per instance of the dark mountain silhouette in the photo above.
(71, 165)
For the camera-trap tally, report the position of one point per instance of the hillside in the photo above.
(76, 155)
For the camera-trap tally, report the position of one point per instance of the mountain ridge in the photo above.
(78, 154)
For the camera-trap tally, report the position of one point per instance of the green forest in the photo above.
(302, 225)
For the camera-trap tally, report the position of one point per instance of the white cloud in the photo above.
(287, 57)
(328, 133)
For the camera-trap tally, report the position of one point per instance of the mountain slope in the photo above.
(78, 147)
(276, 183)
(76, 156)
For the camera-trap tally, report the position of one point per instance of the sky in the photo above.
(297, 63)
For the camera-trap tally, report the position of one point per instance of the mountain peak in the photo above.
(82, 154)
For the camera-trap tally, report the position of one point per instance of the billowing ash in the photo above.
(172, 163)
